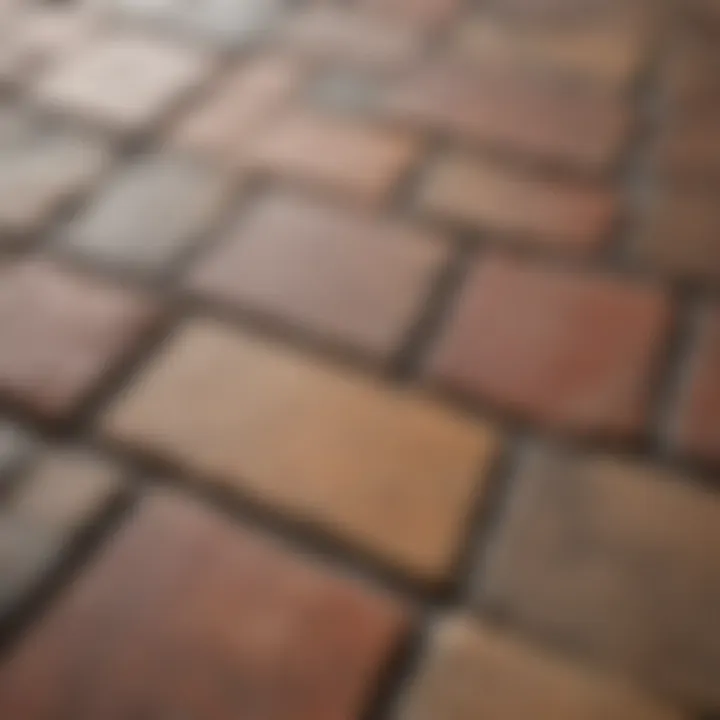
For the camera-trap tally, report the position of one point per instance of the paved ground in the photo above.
(359, 360)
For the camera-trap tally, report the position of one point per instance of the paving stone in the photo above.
(618, 562)
(344, 35)
(345, 276)
(357, 159)
(389, 473)
(14, 448)
(127, 83)
(522, 112)
(148, 214)
(40, 36)
(575, 352)
(223, 126)
(697, 419)
(572, 12)
(691, 77)
(60, 333)
(519, 206)
(186, 615)
(422, 13)
(226, 23)
(692, 215)
(41, 169)
(611, 54)
(689, 150)
(60, 497)
(470, 671)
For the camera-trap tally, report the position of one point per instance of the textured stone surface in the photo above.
(696, 428)
(349, 277)
(616, 561)
(571, 351)
(347, 36)
(519, 112)
(153, 210)
(127, 83)
(41, 169)
(58, 498)
(518, 206)
(387, 472)
(688, 148)
(60, 333)
(470, 672)
(682, 234)
(611, 54)
(184, 615)
(224, 125)
(363, 161)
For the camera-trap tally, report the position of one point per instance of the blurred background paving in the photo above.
(359, 360)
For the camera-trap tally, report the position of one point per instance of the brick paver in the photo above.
(426, 288)
(470, 671)
(617, 560)
(552, 214)
(570, 351)
(400, 478)
(349, 157)
(148, 213)
(697, 424)
(341, 275)
(214, 622)
(60, 333)
(41, 169)
(60, 497)
(125, 83)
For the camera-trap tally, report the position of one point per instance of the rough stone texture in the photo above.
(224, 126)
(360, 160)
(342, 35)
(575, 352)
(611, 54)
(341, 275)
(519, 112)
(697, 418)
(185, 615)
(616, 561)
(127, 83)
(60, 333)
(143, 218)
(470, 672)
(41, 169)
(519, 207)
(682, 234)
(391, 474)
(60, 497)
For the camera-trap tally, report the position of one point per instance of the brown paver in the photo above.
(224, 126)
(60, 333)
(149, 213)
(391, 474)
(185, 615)
(682, 234)
(571, 351)
(618, 561)
(342, 275)
(126, 83)
(471, 671)
(518, 206)
(344, 35)
(357, 159)
(423, 13)
(688, 149)
(60, 497)
(512, 110)
(611, 54)
(697, 418)
(41, 169)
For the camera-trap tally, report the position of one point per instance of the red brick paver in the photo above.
(186, 615)
(572, 352)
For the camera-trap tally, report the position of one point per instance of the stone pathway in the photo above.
(359, 360)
